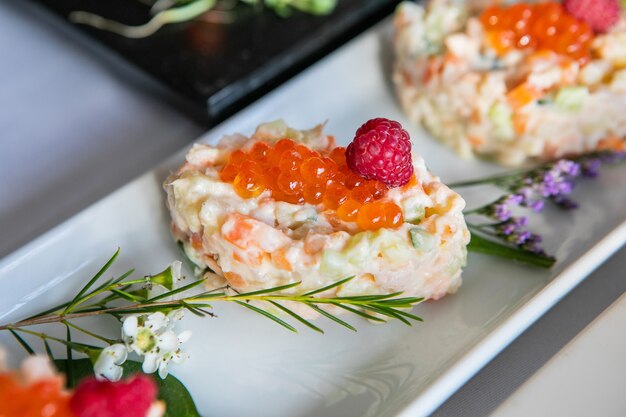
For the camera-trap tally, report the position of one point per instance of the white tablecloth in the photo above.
(77, 123)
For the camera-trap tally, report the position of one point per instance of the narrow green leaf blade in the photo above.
(480, 244)
(48, 350)
(176, 291)
(358, 312)
(22, 342)
(268, 315)
(328, 287)
(330, 316)
(93, 280)
(297, 317)
(268, 290)
(71, 382)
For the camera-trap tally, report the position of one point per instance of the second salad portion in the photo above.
(518, 83)
(286, 205)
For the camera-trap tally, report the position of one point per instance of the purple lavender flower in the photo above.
(535, 205)
(515, 224)
(502, 212)
(591, 167)
(564, 187)
(612, 157)
(549, 184)
(567, 167)
(513, 200)
(533, 243)
(565, 203)
(520, 238)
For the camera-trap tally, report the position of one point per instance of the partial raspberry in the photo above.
(129, 398)
(601, 15)
(381, 150)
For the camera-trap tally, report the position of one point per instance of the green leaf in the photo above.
(268, 290)
(22, 342)
(176, 397)
(176, 291)
(268, 315)
(92, 281)
(480, 244)
(297, 317)
(330, 316)
(48, 350)
(71, 376)
(328, 287)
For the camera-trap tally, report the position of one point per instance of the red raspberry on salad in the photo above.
(601, 15)
(381, 150)
(129, 398)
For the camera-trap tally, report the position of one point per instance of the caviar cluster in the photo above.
(542, 26)
(296, 174)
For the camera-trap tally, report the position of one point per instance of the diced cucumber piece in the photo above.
(421, 239)
(501, 117)
(359, 247)
(413, 210)
(333, 264)
(571, 99)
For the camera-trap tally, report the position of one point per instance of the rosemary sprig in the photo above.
(117, 297)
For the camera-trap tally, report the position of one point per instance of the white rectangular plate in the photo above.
(244, 365)
(587, 377)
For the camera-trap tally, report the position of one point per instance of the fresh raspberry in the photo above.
(601, 15)
(129, 398)
(381, 150)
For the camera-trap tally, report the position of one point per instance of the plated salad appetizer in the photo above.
(517, 83)
(286, 206)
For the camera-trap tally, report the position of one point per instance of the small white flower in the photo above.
(107, 365)
(152, 336)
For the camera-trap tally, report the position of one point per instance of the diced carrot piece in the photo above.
(235, 280)
(238, 233)
(279, 258)
(475, 140)
(611, 143)
(519, 122)
(522, 95)
(196, 241)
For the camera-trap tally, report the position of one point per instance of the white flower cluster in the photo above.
(149, 335)
(153, 338)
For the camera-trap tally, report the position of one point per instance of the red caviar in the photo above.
(541, 26)
(295, 174)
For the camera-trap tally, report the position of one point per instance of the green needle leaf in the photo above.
(358, 312)
(128, 296)
(328, 287)
(297, 317)
(92, 281)
(48, 350)
(69, 361)
(330, 316)
(268, 291)
(268, 315)
(374, 297)
(22, 342)
(176, 291)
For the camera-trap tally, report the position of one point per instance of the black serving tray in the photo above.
(219, 68)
